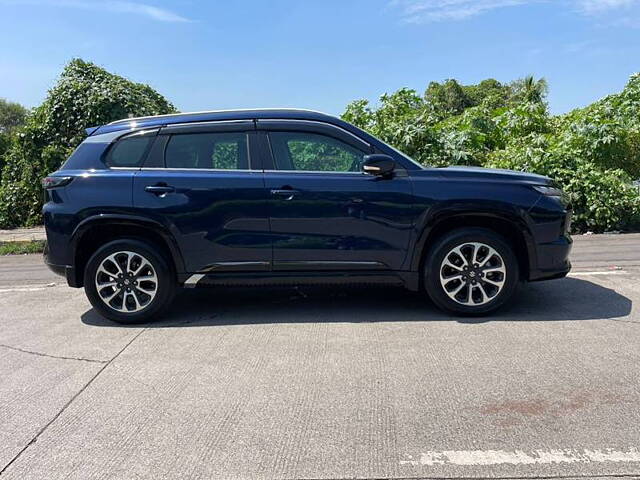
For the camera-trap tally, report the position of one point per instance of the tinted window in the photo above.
(129, 152)
(226, 151)
(314, 152)
(86, 156)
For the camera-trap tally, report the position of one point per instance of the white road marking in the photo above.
(520, 457)
(608, 272)
(33, 289)
(27, 288)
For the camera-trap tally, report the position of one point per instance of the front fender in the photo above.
(432, 222)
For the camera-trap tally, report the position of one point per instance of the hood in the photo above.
(490, 174)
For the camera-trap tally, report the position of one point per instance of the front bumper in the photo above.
(552, 260)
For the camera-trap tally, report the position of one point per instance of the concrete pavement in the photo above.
(326, 384)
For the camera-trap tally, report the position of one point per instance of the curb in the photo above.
(23, 235)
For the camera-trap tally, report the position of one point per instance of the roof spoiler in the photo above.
(91, 130)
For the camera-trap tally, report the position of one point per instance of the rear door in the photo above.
(325, 213)
(203, 183)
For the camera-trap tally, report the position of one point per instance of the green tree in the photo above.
(447, 99)
(489, 92)
(12, 116)
(530, 90)
(85, 95)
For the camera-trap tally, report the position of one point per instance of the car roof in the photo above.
(216, 115)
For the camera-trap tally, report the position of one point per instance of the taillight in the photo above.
(53, 182)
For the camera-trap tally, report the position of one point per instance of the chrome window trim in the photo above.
(201, 169)
(325, 172)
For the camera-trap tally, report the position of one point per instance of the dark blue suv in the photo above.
(289, 197)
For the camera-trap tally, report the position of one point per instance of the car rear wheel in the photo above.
(471, 272)
(127, 281)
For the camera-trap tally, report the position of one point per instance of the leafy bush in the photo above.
(593, 153)
(85, 95)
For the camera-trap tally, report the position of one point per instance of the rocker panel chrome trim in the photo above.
(193, 280)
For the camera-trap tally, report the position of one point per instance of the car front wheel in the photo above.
(128, 282)
(471, 272)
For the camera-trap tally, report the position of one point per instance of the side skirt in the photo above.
(408, 280)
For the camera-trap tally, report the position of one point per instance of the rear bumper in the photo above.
(552, 260)
(66, 271)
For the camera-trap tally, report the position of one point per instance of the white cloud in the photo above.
(150, 11)
(115, 6)
(597, 6)
(423, 11)
(420, 11)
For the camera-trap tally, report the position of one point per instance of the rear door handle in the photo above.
(289, 193)
(159, 189)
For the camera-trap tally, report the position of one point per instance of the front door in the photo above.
(204, 188)
(325, 214)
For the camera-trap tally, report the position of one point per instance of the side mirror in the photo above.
(378, 165)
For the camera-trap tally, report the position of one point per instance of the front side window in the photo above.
(129, 151)
(220, 151)
(313, 152)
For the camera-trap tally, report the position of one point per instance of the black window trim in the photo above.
(403, 163)
(165, 136)
(313, 127)
(153, 132)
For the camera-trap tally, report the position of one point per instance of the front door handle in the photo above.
(288, 193)
(159, 189)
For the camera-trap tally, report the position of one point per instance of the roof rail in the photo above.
(204, 112)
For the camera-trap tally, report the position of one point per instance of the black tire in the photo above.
(165, 288)
(433, 267)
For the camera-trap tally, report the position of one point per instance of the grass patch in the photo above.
(19, 248)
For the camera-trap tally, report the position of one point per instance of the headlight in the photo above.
(548, 191)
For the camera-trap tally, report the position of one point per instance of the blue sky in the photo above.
(320, 54)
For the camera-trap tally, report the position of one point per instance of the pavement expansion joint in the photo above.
(59, 357)
(62, 410)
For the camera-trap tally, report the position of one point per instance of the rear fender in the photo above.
(118, 220)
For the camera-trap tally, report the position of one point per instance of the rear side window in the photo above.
(219, 151)
(129, 151)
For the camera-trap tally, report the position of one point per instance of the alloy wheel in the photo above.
(126, 282)
(473, 274)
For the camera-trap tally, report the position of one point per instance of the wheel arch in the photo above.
(512, 229)
(93, 232)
